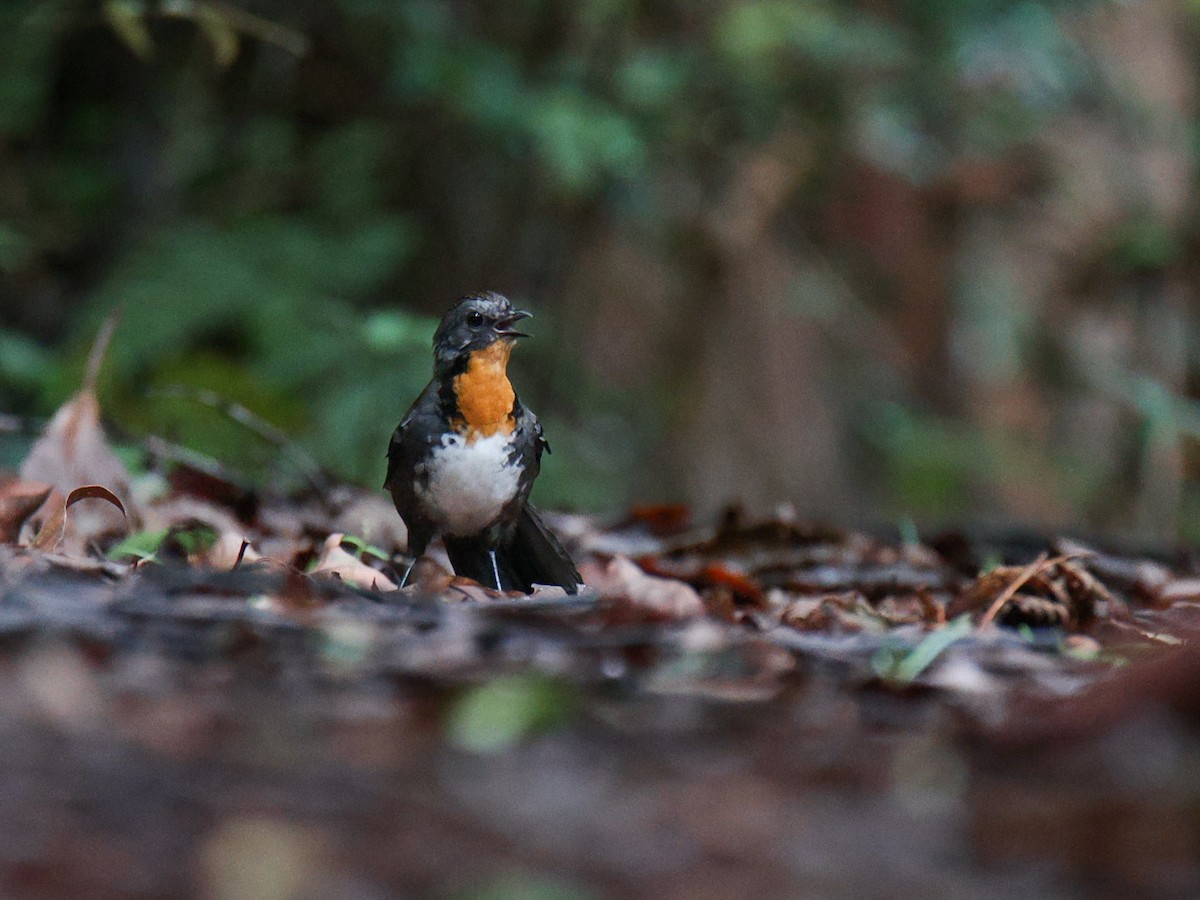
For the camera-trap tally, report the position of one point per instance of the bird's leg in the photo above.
(419, 536)
(495, 568)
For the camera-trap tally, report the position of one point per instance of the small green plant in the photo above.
(903, 666)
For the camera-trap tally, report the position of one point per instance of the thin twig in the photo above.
(1007, 594)
(176, 453)
(241, 554)
(1038, 565)
(272, 434)
(1041, 564)
(247, 23)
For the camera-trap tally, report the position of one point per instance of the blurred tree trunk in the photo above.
(755, 421)
(1125, 265)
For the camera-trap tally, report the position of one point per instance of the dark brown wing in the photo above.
(530, 554)
(535, 556)
(420, 429)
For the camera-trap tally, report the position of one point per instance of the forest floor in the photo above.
(212, 692)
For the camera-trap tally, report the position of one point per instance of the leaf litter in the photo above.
(763, 705)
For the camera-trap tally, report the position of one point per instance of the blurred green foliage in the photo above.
(501, 713)
(517, 885)
(282, 197)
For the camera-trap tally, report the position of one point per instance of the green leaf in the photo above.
(127, 20)
(221, 35)
(142, 545)
(362, 548)
(500, 714)
(907, 667)
(582, 141)
(193, 539)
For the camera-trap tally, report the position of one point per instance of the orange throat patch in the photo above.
(485, 395)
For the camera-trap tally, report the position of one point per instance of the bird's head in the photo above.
(476, 322)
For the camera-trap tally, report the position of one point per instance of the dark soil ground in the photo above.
(213, 693)
(181, 731)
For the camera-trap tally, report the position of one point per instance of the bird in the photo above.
(463, 459)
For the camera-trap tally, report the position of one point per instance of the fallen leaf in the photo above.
(664, 519)
(74, 451)
(1058, 591)
(1181, 590)
(51, 534)
(428, 579)
(369, 516)
(337, 562)
(744, 589)
(296, 595)
(461, 588)
(663, 597)
(848, 611)
(19, 499)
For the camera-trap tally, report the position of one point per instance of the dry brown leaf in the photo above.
(19, 499)
(54, 528)
(846, 611)
(231, 533)
(73, 451)
(337, 562)
(429, 579)
(1058, 591)
(665, 597)
(461, 588)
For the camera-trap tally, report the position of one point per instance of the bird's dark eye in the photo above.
(474, 319)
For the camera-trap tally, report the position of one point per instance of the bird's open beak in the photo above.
(504, 327)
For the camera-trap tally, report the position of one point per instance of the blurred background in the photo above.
(887, 260)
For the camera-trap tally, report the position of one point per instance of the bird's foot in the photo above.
(495, 569)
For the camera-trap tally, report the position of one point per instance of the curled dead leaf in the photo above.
(73, 450)
(54, 528)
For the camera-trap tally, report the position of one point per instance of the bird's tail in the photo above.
(532, 555)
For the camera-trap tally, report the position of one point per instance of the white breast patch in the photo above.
(468, 484)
